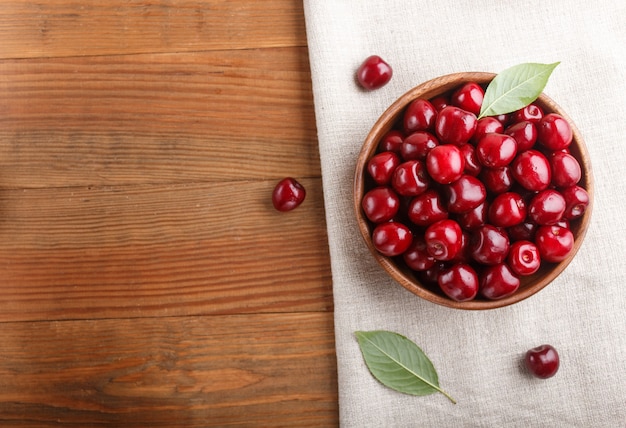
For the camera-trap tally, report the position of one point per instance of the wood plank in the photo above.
(78, 253)
(157, 118)
(248, 370)
(106, 27)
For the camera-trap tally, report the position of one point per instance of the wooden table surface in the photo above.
(146, 278)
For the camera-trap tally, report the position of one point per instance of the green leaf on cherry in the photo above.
(515, 88)
(398, 363)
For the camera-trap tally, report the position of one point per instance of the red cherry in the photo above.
(524, 133)
(554, 132)
(417, 257)
(440, 102)
(542, 361)
(427, 208)
(380, 204)
(496, 150)
(465, 194)
(374, 73)
(469, 97)
(531, 113)
(566, 170)
(523, 258)
(410, 178)
(547, 207)
(392, 238)
(507, 209)
(382, 165)
(472, 164)
(576, 201)
(443, 239)
(489, 245)
(420, 115)
(522, 231)
(486, 125)
(498, 282)
(554, 243)
(474, 218)
(532, 170)
(497, 180)
(288, 194)
(430, 275)
(445, 163)
(455, 125)
(460, 282)
(391, 142)
(418, 144)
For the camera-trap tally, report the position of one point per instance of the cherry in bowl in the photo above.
(514, 167)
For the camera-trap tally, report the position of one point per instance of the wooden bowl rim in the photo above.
(385, 122)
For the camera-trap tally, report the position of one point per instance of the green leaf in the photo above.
(398, 363)
(515, 88)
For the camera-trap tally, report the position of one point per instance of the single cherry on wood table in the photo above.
(147, 279)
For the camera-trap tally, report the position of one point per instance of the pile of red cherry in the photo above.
(474, 204)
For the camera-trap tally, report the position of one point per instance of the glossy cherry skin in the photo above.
(498, 282)
(391, 238)
(374, 73)
(459, 282)
(469, 97)
(497, 180)
(554, 243)
(380, 204)
(472, 164)
(531, 169)
(542, 361)
(489, 245)
(465, 194)
(523, 258)
(443, 239)
(391, 142)
(546, 207)
(381, 167)
(417, 257)
(576, 202)
(486, 125)
(531, 113)
(445, 163)
(507, 209)
(455, 125)
(474, 218)
(440, 102)
(288, 194)
(420, 115)
(418, 144)
(430, 275)
(410, 178)
(554, 132)
(566, 170)
(427, 208)
(496, 150)
(524, 133)
(523, 231)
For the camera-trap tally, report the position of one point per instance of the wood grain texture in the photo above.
(56, 28)
(245, 370)
(146, 280)
(213, 116)
(160, 250)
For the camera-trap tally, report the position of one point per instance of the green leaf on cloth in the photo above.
(398, 363)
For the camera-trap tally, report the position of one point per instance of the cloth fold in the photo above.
(478, 355)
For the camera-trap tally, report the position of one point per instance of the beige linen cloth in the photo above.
(478, 354)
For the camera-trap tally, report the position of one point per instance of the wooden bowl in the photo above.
(402, 273)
